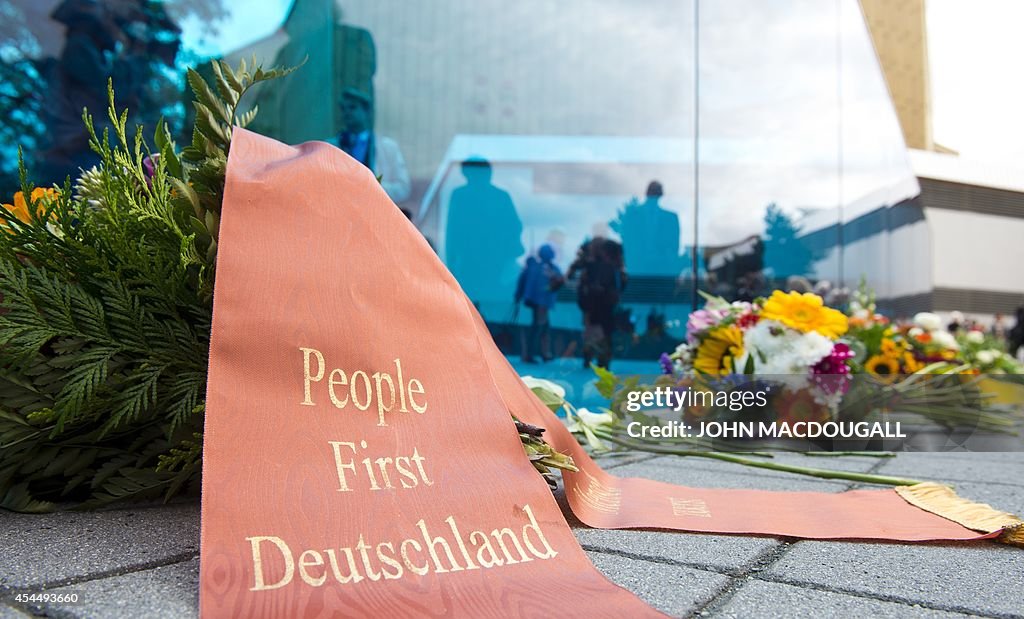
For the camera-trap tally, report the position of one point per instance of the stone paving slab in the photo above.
(703, 473)
(1008, 469)
(856, 464)
(677, 591)
(769, 600)
(6, 612)
(169, 592)
(1012, 457)
(982, 578)
(1005, 498)
(48, 548)
(718, 553)
(616, 459)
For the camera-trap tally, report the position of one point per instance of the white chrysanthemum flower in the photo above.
(945, 339)
(975, 337)
(928, 321)
(778, 350)
(915, 332)
(768, 337)
(986, 357)
(810, 348)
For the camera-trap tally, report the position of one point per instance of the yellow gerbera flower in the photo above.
(805, 312)
(720, 348)
(882, 367)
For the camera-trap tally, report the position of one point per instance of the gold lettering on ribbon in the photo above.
(690, 507)
(599, 496)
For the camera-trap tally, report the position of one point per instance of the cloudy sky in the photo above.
(976, 51)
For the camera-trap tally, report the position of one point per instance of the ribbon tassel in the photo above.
(943, 501)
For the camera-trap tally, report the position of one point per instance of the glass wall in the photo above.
(732, 147)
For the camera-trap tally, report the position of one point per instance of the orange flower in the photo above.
(910, 363)
(805, 312)
(40, 197)
(892, 348)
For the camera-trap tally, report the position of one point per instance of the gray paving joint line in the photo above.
(763, 561)
(892, 599)
(615, 465)
(662, 560)
(8, 592)
(760, 563)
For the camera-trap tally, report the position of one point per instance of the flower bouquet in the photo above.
(809, 362)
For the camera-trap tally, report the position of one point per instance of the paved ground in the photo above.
(144, 562)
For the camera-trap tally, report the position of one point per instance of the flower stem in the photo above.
(775, 466)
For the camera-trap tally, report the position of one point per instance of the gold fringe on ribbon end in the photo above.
(1013, 535)
(943, 501)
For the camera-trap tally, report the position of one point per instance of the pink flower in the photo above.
(832, 373)
(702, 320)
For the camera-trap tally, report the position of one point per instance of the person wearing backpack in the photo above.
(538, 282)
(602, 278)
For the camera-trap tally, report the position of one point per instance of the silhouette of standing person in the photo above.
(79, 80)
(483, 235)
(378, 153)
(1016, 335)
(538, 283)
(602, 278)
(650, 235)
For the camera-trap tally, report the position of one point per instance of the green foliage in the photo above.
(607, 383)
(784, 251)
(106, 311)
(206, 159)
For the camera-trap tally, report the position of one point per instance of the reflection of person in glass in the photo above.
(537, 286)
(650, 235)
(379, 153)
(602, 278)
(132, 42)
(1015, 345)
(483, 235)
